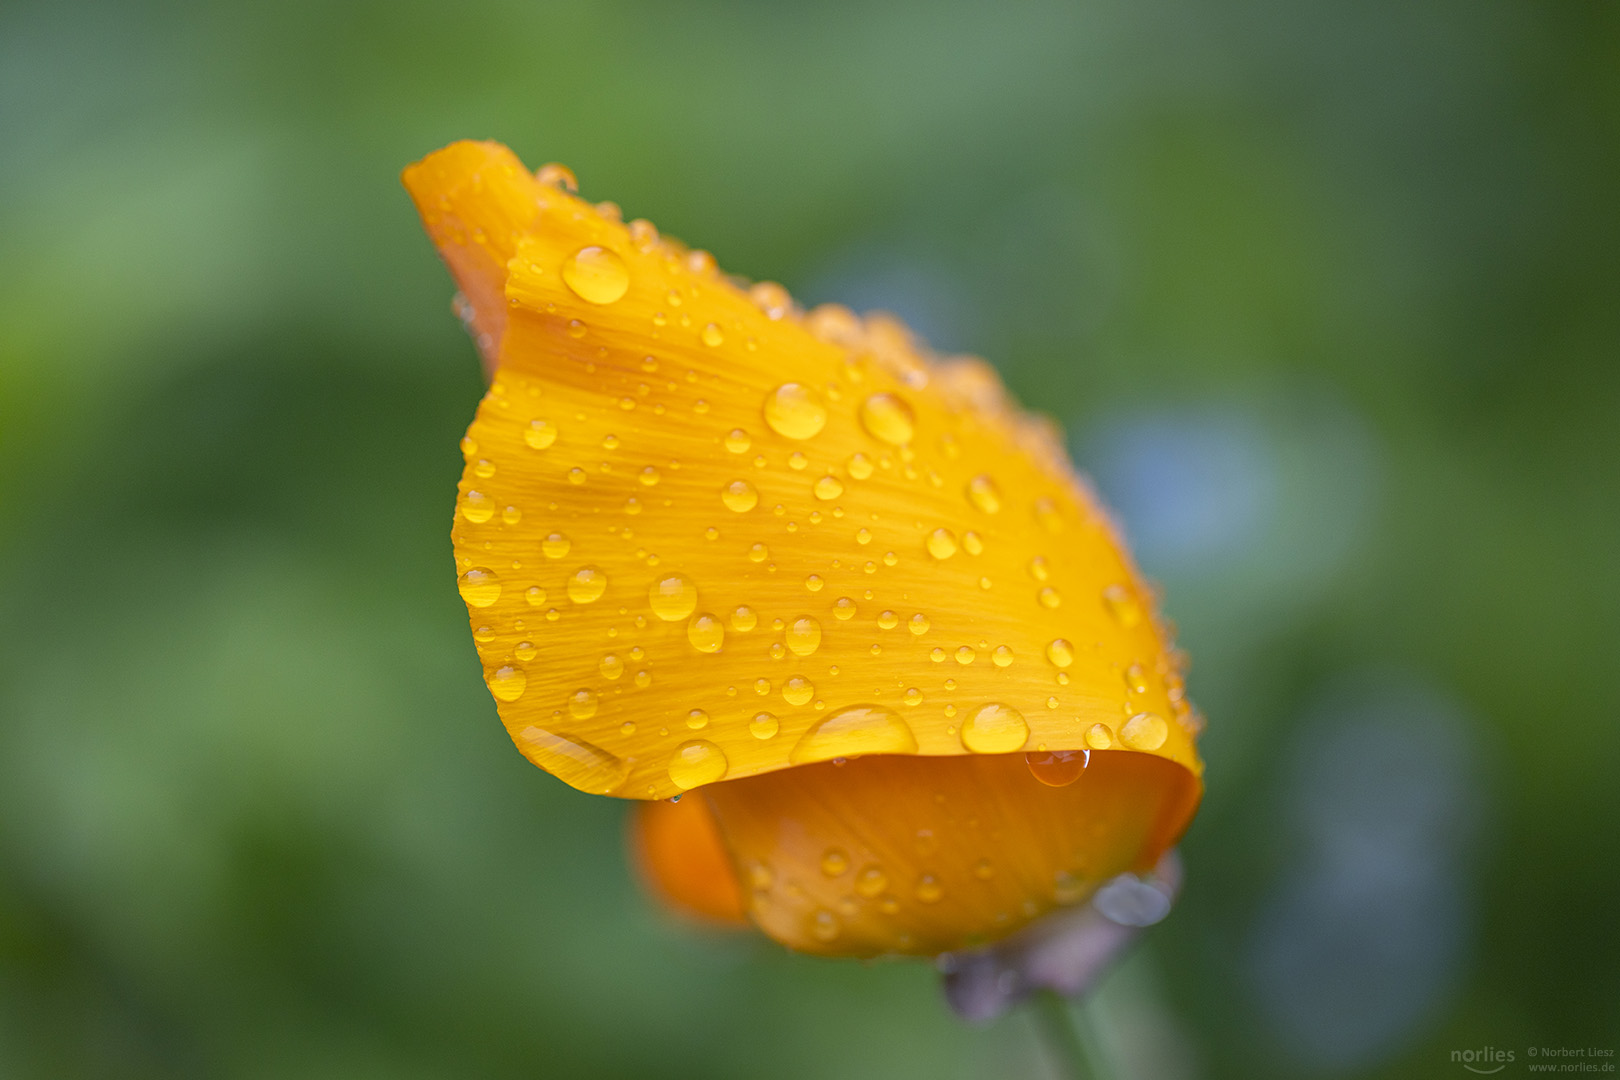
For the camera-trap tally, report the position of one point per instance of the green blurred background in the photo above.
(1326, 294)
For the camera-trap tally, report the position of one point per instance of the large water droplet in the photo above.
(696, 763)
(739, 495)
(995, 729)
(798, 690)
(582, 704)
(1144, 731)
(862, 729)
(803, 636)
(507, 682)
(983, 493)
(1002, 657)
(706, 633)
(673, 598)
(596, 274)
(942, 543)
(795, 411)
(540, 434)
(574, 761)
(918, 624)
(586, 584)
(1057, 768)
(477, 507)
(888, 417)
(479, 587)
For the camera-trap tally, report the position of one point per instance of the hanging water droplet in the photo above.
(477, 507)
(555, 546)
(889, 418)
(582, 704)
(479, 587)
(983, 493)
(705, 633)
(763, 726)
(1057, 768)
(739, 495)
(596, 275)
(942, 543)
(696, 763)
(995, 729)
(803, 636)
(507, 682)
(586, 584)
(798, 690)
(795, 411)
(1144, 731)
(672, 597)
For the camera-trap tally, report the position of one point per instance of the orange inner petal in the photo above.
(680, 857)
(894, 854)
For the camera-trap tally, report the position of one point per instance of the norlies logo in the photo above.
(1484, 1061)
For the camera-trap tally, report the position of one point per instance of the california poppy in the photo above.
(841, 594)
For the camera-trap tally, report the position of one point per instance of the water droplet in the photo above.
(596, 275)
(929, 890)
(672, 598)
(586, 584)
(1060, 652)
(804, 636)
(555, 175)
(576, 329)
(737, 441)
(1136, 679)
(477, 507)
(739, 495)
(535, 595)
(507, 683)
(798, 690)
(995, 729)
(889, 418)
(696, 763)
(582, 704)
(649, 476)
(763, 726)
(890, 558)
(1057, 768)
(828, 487)
(611, 666)
(1144, 731)
(713, 335)
(871, 881)
(843, 609)
(861, 729)
(525, 650)
(697, 719)
(942, 543)
(937, 654)
(918, 624)
(469, 446)
(1049, 597)
(1002, 657)
(824, 926)
(797, 461)
(983, 493)
(574, 761)
(576, 476)
(834, 862)
(479, 587)
(555, 546)
(965, 655)
(1099, 737)
(705, 633)
(744, 619)
(1046, 512)
(888, 620)
(1122, 604)
(794, 411)
(484, 468)
(814, 582)
(984, 870)
(972, 543)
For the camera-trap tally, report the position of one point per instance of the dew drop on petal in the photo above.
(582, 704)
(834, 862)
(1099, 737)
(555, 546)
(942, 543)
(739, 495)
(929, 890)
(983, 493)
(972, 543)
(1123, 605)
(672, 597)
(828, 487)
(1144, 731)
(871, 881)
(586, 584)
(794, 411)
(913, 696)
(995, 729)
(596, 274)
(611, 667)
(843, 609)
(477, 507)
(540, 434)
(696, 763)
(706, 633)
(697, 719)
(737, 441)
(918, 624)
(888, 620)
(798, 690)
(860, 466)
(803, 636)
(479, 587)
(1060, 652)
(507, 682)
(1002, 657)
(744, 619)
(713, 336)
(535, 595)
(1049, 597)
(888, 418)
(763, 726)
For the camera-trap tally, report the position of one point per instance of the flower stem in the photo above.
(1068, 1036)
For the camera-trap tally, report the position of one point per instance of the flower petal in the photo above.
(893, 854)
(681, 857)
(703, 536)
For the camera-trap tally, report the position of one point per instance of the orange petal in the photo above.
(681, 858)
(911, 855)
(704, 537)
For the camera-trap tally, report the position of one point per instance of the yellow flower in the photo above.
(842, 592)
